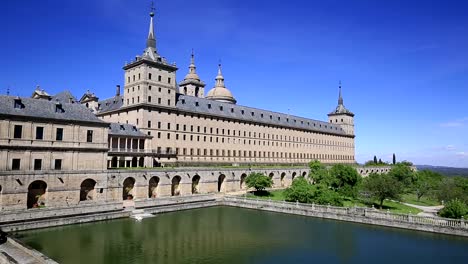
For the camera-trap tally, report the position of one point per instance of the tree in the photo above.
(300, 190)
(402, 172)
(454, 209)
(382, 186)
(424, 182)
(380, 161)
(319, 173)
(258, 181)
(375, 159)
(451, 188)
(345, 179)
(394, 159)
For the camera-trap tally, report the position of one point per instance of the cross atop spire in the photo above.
(219, 77)
(151, 41)
(340, 98)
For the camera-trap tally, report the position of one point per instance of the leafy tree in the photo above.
(375, 159)
(345, 179)
(394, 159)
(452, 188)
(402, 172)
(382, 186)
(380, 161)
(424, 182)
(258, 181)
(454, 209)
(319, 173)
(300, 190)
(326, 196)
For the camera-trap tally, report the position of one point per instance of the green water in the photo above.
(234, 235)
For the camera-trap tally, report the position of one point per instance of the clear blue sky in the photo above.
(403, 64)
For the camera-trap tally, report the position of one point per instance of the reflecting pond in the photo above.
(235, 235)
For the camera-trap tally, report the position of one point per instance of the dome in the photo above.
(192, 76)
(220, 92)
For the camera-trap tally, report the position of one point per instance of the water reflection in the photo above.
(233, 235)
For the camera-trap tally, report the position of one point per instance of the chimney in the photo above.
(117, 90)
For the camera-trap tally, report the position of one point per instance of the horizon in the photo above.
(403, 66)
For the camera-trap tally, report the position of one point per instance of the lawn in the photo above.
(424, 201)
(393, 207)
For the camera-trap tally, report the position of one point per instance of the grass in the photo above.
(393, 207)
(424, 201)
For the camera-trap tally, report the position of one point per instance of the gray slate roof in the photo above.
(64, 97)
(39, 108)
(118, 129)
(110, 104)
(201, 105)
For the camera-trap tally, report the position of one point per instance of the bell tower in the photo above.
(192, 84)
(150, 78)
(342, 116)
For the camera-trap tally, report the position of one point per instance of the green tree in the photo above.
(375, 159)
(452, 188)
(319, 173)
(300, 190)
(382, 186)
(454, 209)
(394, 159)
(258, 181)
(345, 180)
(402, 172)
(425, 182)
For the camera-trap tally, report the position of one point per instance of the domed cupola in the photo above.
(192, 84)
(220, 92)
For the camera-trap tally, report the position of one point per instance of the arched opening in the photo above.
(114, 162)
(196, 91)
(242, 181)
(175, 188)
(134, 162)
(153, 187)
(282, 178)
(195, 181)
(221, 183)
(141, 162)
(185, 90)
(293, 176)
(36, 194)
(304, 174)
(271, 175)
(87, 191)
(128, 185)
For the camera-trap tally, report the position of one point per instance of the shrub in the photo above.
(454, 209)
(258, 181)
(300, 190)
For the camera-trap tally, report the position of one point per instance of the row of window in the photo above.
(150, 76)
(254, 154)
(16, 164)
(18, 133)
(149, 100)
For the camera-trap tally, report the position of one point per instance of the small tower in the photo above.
(150, 79)
(192, 85)
(90, 100)
(342, 116)
(220, 92)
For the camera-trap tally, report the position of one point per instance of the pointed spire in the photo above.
(151, 41)
(192, 68)
(340, 98)
(219, 77)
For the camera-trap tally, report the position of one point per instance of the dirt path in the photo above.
(427, 210)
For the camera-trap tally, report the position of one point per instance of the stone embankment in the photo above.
(357, 215)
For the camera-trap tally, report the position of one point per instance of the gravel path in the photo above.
(427, 210)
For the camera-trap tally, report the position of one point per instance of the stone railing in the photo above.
(164, 201)
(356, 214)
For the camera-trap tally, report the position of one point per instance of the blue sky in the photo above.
(403, 64)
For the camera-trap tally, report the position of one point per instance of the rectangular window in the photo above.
(149, 124)
(59, 134)
(159, 78)
(149, 77)
(18, 133)
(58, 164)
(37, 164)
(39, 133)
(149, 98)
(15, 164)
(168, 80)
(159, 100)
(89, 136)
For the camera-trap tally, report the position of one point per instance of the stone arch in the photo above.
(37, 191)
(221, 183)
(128, 189)
(304, 174)
(293, 176)
(242, 181)
(175, 186)
(134, 162)
(283, 175)
(195, 182)
(141, 162)
(87, 191)
(153, 187)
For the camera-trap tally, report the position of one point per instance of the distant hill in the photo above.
(448, 171)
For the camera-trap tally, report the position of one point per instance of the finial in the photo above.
(8, 90)
(340, 98)
(152, 9)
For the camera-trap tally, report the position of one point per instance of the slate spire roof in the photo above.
(341, 109)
